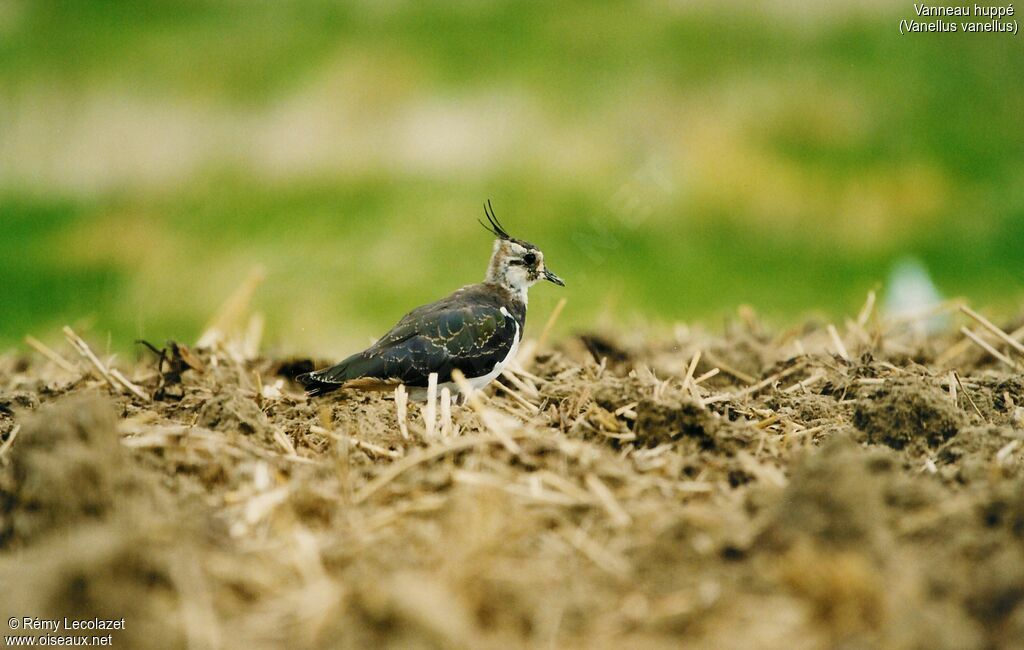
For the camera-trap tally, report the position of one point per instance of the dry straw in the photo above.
(576, 502)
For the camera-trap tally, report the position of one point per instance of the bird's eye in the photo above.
(530, 258)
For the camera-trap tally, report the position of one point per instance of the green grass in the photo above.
(345, 260)
(836, 148)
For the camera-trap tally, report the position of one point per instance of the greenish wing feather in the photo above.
(437, 338)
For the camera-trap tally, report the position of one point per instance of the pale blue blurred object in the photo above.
(911, 294)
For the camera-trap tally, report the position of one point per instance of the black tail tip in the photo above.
(315, 386)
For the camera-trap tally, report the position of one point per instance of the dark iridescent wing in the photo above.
(472, 338)
(465, 331)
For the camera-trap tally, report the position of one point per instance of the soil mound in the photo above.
(754, 489)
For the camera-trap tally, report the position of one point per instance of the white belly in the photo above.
(420, 394)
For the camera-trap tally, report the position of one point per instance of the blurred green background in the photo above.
(673, 159)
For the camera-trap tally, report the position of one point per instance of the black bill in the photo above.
(552, 278)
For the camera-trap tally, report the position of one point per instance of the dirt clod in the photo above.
(69, 465)
(233, 413)
(908, 413)
(664, 420)
(833, 498)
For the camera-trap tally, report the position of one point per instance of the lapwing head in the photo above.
(515, 264)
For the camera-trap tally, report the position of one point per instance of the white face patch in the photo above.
(508, 269)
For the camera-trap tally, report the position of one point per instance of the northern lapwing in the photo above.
(476, 330)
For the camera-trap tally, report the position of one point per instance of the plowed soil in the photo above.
(802, 496)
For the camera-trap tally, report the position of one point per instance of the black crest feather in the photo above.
(495, 226)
